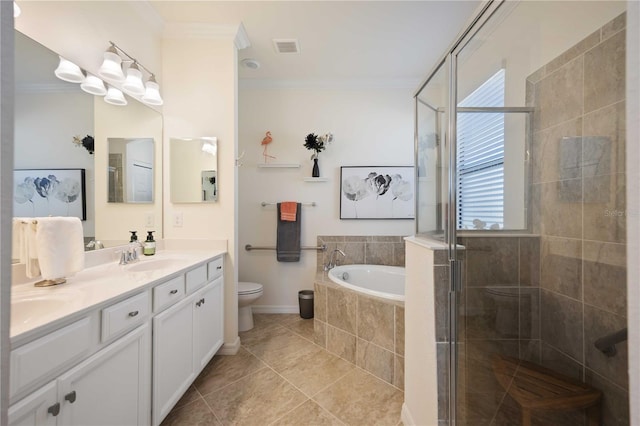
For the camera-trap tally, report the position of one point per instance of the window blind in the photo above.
(480, 186)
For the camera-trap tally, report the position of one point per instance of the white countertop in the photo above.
(36, 309)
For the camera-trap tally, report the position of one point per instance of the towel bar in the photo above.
(249, 247)
(312, 204)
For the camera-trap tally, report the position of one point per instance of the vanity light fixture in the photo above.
(16, 10)
(112, 65)
(68, 71)
(93, 85)
(115, 97)
(133, 83)
(152, 92)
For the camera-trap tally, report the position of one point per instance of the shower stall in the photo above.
(520, 162)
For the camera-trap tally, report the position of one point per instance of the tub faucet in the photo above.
(333, 262)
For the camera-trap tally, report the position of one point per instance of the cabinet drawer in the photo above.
(168, 293)
(215, 268)
(125, 315)
(196, 278)
(52, 353)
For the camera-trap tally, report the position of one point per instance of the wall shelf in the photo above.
(316, 179)
(278, 166)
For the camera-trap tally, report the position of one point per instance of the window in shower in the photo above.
(481, 157)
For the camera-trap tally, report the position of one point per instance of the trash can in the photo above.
(305, 299)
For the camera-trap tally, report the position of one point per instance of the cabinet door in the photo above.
(111, 387)
(38, 408)
(173, 360)
(208, 317)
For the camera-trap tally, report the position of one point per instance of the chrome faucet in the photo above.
(95, 244)
(333, 262)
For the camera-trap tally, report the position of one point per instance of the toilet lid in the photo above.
(249, 288)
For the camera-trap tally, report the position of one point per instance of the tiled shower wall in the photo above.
(578, 208)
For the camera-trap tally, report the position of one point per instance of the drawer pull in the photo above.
(219, 267)
(54, 410)
(134, 313)
(71, 397)
(173, 291)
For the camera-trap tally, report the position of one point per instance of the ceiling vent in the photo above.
(286, 45)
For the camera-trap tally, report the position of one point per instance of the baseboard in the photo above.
(230, 348)
(405, 416)
(275, 309)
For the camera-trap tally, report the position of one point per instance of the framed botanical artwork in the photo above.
(377, 192)
(49, 192)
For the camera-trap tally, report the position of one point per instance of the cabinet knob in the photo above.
(218, 267)
(71, 397)
(54, 410)
(173, 291)
(133, 314)
(202, 300)
(198, 303)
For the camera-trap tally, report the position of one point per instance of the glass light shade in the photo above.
(68, 71)
(133, 83)
(115, 97)
(111, 66)
(152, 94)
(16, 10)
(93, 85)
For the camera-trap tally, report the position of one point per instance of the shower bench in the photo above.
(535, 387)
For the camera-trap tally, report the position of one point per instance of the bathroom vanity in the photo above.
(116, 344)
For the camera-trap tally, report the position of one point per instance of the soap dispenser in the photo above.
(150, 244)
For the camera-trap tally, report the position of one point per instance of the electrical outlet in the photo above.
(177, 219)
(149, 221)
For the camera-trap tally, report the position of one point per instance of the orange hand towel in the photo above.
(288, 211)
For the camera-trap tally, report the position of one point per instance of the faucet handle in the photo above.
(123, 257)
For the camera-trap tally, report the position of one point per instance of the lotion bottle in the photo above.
(150, 245)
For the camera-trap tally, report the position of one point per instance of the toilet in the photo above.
(247, 294)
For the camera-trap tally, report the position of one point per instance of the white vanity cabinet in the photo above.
(111, 388)
(126, 362)
(186, 336)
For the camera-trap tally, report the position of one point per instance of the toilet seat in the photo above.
(249, 288)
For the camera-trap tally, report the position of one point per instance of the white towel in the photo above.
(60, 246)
(24, 247)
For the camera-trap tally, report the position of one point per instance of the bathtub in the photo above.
(375, 280)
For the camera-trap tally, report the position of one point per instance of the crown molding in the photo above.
(178, 30)
(242, 38)
(341, 84)
(145, 10)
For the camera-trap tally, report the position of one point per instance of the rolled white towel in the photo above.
(60, 246)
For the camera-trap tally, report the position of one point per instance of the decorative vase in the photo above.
(316, 169)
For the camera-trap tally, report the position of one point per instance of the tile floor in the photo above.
(280, 377)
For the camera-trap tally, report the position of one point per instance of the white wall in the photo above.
(372, 127)
(633, 201)
(45, 124)
(200, 93)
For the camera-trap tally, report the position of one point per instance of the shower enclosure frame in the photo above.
(449, 63)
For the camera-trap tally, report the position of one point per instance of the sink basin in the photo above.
(155, 264)
(25, 309)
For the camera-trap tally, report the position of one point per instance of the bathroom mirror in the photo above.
(193, 170)
(130, 171)
(52, 117)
